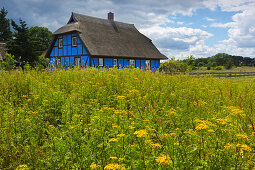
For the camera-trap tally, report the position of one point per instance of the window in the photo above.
(115, 62)
(77, 61)
(60, 43)
(58, 62)
(147, 63)
(132, 63)
(74, 41)
(101, 62)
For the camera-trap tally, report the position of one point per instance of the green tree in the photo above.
(28, 44)
(5, 31)
(9, 62)
(41, 38)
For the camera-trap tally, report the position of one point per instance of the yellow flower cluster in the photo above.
(141, 133)
(94, 166)
(241, 136)
(240, 146)
(113, 140)
(114, 167)
(190, 131)
(169, 134)
(156, 145)
(164, 160)
(222, 121)
(203, 124)
(172, 111)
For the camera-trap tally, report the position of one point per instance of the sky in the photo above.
(178, 28)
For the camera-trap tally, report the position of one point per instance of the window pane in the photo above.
(74, 41)
(77, 61)
(115, 62)
(147, 62)
(132, 63)
(60, 43)
(101, 62)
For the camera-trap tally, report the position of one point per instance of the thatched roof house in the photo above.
(103, 39)
(3, 50)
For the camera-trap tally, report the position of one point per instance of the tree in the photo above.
(28, 44)
(9, 62)
(5, 31)
(41, 38)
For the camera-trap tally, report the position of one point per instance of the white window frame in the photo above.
(74, 41)
(115, 62)
(100, 62)
(60, 43)
(77, 61)
(132, 63)
(148, 63)
(58, 62)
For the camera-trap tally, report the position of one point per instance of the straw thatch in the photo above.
(104, 37)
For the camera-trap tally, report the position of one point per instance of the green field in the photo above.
(125, 119)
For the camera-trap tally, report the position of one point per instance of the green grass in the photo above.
(129, 119)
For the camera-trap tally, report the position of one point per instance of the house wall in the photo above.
(68, 54)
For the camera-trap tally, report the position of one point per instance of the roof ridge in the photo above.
(97, 18)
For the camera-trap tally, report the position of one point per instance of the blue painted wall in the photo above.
(68, 53)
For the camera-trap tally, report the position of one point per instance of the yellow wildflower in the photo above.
(201, 126)
(243, 147)
(169, 134)
(94, 166)
(22, 167)
(190, 131)
(28, 100)
(164, 160)
(112, 167)
(156, 145)
(51, 127)
(229, 146)
(141, 133)
(120, 97)
(241, 136)
(113, 157)
(211, 131)
(121, 135)
(131, 127)
(113, 140)
(222, 121)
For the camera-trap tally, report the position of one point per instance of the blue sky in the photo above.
(201, 28)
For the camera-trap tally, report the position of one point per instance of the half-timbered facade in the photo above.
(89, 41)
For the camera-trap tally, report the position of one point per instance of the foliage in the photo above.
(28, 44)
(190, 62)
(174, 66)
(42, 61)
(229, 64)
(8, 63)
(130, 118)
(5, 31)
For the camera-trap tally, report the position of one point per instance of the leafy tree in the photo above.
(28, 44)
(229, 64)
(41, 38)
(9, 62)
(5, 31)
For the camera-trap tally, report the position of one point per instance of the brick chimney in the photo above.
(110, 16)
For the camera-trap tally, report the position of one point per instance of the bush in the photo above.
(174, 66)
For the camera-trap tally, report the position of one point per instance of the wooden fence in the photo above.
(218, 74)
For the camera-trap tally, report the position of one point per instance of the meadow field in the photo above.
(125, 119)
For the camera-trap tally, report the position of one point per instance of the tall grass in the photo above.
(125, 119)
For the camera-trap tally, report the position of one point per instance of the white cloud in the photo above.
(209, 19)
(221, 25)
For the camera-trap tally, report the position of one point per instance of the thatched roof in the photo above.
(104, 37)
(2, 51)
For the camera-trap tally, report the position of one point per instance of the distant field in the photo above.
(234, 69)
(125, 119)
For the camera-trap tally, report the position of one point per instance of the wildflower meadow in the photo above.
(125, 119)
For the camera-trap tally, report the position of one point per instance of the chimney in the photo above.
(110, 16)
